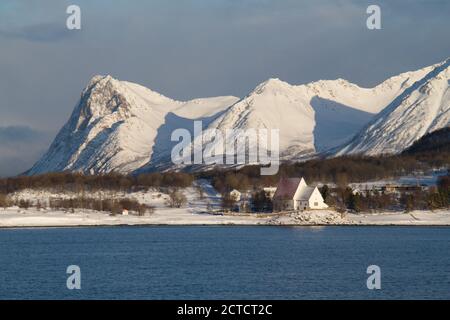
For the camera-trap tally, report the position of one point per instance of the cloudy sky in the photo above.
(195, 48)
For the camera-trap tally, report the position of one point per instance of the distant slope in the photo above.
(422, 108)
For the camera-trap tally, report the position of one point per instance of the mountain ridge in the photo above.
(408, 117)
(120, 126)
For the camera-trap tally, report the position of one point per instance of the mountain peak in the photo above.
(99, 79)
(272, 86)
(103, 95)
(274, 81)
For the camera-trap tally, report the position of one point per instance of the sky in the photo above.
(187, 49)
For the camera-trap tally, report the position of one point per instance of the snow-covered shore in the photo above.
(199, 210)
(14, 217)
(414, 218)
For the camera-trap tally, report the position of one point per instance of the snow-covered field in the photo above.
(15, 217)
(437, 217)
(198, 211)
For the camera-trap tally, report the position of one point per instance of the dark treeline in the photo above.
(115, 206)
(78, 182)
(339, 170)
(436, 142)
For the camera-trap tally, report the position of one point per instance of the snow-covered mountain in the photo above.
(124, 127)
(423, 107)
(313, 117)
(121, 126)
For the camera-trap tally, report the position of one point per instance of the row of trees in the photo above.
(78, 182)
(6, 201)
(114, 206)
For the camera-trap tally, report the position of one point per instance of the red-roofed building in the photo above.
(295, 194)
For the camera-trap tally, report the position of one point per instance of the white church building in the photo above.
(295, 194)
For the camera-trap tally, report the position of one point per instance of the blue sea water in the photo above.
(225, 262)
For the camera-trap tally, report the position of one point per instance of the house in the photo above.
(295, 194)
(236, 195)
(270, 192)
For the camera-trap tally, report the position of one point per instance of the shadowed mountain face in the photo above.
(119, 126)
(162, 148)
(335, 123)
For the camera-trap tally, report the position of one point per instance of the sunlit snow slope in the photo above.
(422, 108)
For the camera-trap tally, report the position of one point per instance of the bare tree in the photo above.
(228, 202)
(5, 201)
(176, 199)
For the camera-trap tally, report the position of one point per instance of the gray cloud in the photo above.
(14, 134)
(44, 32)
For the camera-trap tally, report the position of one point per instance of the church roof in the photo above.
(305, 193)
(286, 188)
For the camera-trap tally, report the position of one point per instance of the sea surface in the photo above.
(225, 262)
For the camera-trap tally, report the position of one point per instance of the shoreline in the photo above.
(19, 219)
(220, 226)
